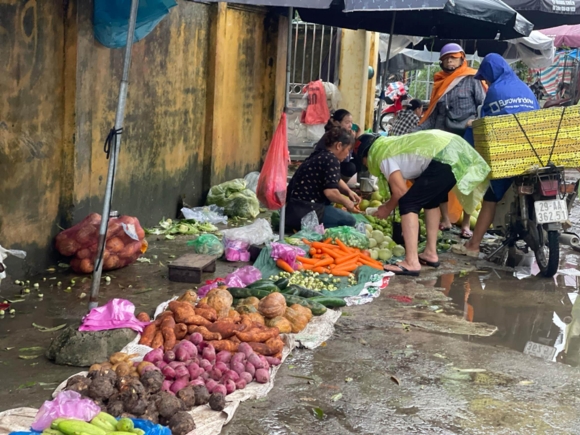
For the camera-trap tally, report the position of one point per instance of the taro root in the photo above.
(151, 414)
(103, 373)
(217, 401)
(169, 405)
(187, 396)
(122, 382)
(115, 408)
(201, 395)
(152, 381)
(136, 407)
(181, 423)
(80, 384)
(101, 389)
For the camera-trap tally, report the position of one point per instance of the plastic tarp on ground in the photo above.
(371, 281)
(111, 19)
(208, 422)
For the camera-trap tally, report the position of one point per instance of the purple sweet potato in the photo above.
(169, 356)
(222, 366)
(250, 369)
(240, 384)
(273, 361)
(256, 361)
(196, 338)
(230, 386)
(247, 377)
(224, 356)
(262, 376)
(246, 349)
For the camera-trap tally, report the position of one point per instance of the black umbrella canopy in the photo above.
(548, 13)
(446, 19)
(314, 4)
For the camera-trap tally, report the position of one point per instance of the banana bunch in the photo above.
(102, 424)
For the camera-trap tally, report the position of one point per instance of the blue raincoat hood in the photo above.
(507, 93)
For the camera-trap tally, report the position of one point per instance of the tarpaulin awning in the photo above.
(111, 19)
(536, 50)
(564, 36)
(548, 13)
(560, 72)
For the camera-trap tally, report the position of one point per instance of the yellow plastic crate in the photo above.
(503, 144)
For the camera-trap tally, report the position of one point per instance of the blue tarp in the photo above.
(111, 19)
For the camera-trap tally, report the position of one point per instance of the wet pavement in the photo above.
(440, 355)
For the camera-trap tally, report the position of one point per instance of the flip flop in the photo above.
(466, 234)
(404, 271)
(434, 264)
(444, 228)
(462, 250)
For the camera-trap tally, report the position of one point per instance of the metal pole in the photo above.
(113, 157)
(286, 105)
(321, 50)
(386, 72)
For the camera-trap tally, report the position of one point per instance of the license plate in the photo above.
(548, 212)
(540, 351)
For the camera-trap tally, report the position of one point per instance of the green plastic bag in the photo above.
(311, 236)
(207, 244)
(349, 236)
(236, 199)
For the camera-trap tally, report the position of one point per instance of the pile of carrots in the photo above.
(336, 259)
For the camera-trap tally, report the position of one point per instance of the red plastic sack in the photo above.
(124, 244)
(317, 110)
(272, 184)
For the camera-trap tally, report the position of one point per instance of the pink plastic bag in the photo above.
(236, 250)
(287, 253)
(116, 314)
(272, 184)
(317, 110)
(67, 404)
(239, 278)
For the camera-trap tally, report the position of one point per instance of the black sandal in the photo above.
(434, 264)
(403, 271)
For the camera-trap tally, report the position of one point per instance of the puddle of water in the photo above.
(531, 314)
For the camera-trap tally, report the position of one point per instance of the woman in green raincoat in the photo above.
(436, 162)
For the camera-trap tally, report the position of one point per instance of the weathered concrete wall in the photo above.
(163, 140)
(243, 68)
(31, 123)
(353, 72)
(204, 99)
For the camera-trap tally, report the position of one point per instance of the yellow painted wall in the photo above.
(31, 122)
(371, 84)
(353, 72)
(203, 101)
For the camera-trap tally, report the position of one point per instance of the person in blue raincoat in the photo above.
(507, 94)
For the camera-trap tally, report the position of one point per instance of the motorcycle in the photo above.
(390, 112)
(532, 213)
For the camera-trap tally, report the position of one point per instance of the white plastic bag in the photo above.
(210, 213)
(252, 181)
(3, 254)
(257, 233)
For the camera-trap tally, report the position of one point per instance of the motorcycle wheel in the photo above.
(548, 253)
(384, 120)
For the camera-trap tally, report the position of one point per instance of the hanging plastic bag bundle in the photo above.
(273, 181)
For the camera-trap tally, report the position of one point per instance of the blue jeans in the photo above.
(334, 217)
